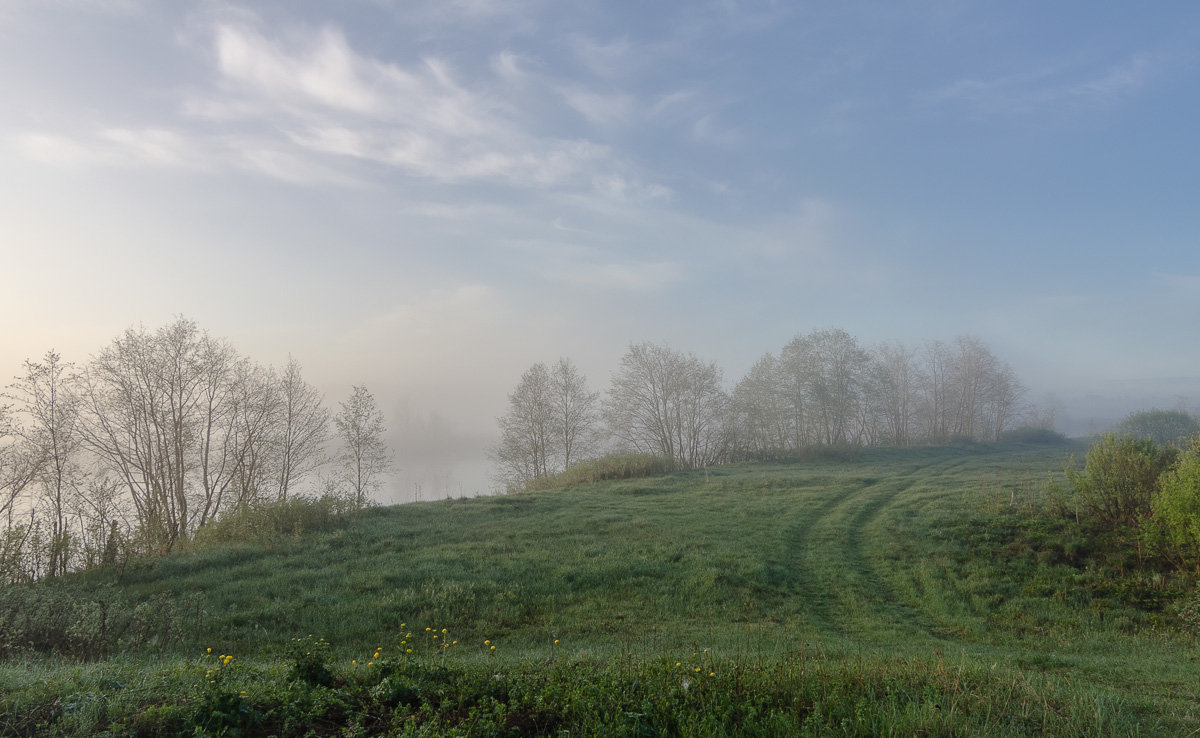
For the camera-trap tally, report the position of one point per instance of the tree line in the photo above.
(158, 435)
(822, 389)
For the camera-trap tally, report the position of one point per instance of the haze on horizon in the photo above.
(428, 197)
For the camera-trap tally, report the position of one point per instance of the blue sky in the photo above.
(428, 197)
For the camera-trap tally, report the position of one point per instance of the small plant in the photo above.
(310, 661)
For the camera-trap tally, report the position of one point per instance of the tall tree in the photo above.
(365, 456)
(17, 468)
(575, 411)
(50, 434)
(550, 423)
(665, 402)
(759, 411)
(523, 452)
(894, 391)
(304, 429)
(158, 412)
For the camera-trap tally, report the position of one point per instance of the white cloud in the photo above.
(1048, 87)
(601, 109)
(421, 119)
(55, 150)
(327, 74)
(623, 189)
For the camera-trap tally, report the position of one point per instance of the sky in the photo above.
(426, 197)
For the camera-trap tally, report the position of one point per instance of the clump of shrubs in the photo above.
(603, 468)
(270, 522)
(1033, 435)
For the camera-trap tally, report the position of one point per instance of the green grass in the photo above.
(916, 591)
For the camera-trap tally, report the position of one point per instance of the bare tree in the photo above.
(257, 432)
(17, 468)
(837, 372)
(894, 391)
(550, 422)
(159, 413)
(305, 427)
(668, 403)
(759, 411)
(50, 435)
(365, 457)
(576, 413)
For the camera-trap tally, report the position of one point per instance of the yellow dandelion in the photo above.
(712, 673)
(678, 664)
(370, 663)
(487, 643)
(208, 650)
(443, 630)
(556, 641)
(493, 648)
(409, 651)
(697, 669)
(354, 662)
(428, 629)
(376, 655)
(401, 626)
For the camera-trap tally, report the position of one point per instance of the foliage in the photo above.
(1033, 434)
(921, 591)
(1163, 427)
(607, 467)
(1177, 506)
(75, 622)
(1119, 478)
(274, 521)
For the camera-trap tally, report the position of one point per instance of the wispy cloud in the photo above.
(304, 106)
(1055, 86)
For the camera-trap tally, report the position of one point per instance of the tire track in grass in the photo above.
(791, 568)
(843, 590)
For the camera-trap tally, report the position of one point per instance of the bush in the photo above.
(1176, 507)
(609, 466)
(1033, 435)
(1119, 479)
(270, 522)
(1164, 427)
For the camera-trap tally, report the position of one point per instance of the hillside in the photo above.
(903, 590)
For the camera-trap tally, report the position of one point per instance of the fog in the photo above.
(425, 198)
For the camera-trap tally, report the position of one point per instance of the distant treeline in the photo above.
(821, 390)
(156, 437)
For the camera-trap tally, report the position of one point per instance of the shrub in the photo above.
(1176, 507)
(1164, 427)
(1033, 435)
(1119, 478)
(269, 522)
(609, 466)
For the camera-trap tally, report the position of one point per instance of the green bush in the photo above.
(1164, 427)
(609, 466)
(1119, 478)
(1031, 434)
(270, 522)
(1176, 507)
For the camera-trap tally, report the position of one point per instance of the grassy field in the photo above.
(901, 592)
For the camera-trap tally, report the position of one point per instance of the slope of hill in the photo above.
(905, 591)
